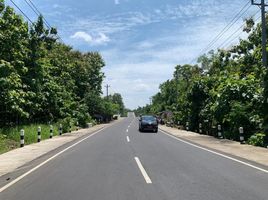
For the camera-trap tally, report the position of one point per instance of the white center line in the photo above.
(128, 139)
(143, 172)
(127, 130)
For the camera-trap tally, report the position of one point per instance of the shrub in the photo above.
(257, 139)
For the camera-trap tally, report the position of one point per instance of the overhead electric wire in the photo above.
(239, 34)
(21, 11)
(244, 9)
(38, 13)
(228, 26)
(35, 9)
(239, 28)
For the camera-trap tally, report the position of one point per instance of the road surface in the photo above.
(120, 163)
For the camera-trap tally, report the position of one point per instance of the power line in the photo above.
(38, 12)
(21, 11)
(228, 26)
(239, 28)
(244, 9)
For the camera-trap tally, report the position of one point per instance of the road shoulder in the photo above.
(255, 154)
(17, 158)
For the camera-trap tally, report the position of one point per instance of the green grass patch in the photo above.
(10, 137)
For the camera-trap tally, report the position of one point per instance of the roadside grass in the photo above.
(10, 137)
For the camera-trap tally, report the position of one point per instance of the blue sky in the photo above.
(141, 41)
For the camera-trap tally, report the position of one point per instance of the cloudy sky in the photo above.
(142, 41)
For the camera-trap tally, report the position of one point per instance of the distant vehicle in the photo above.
(148, 123)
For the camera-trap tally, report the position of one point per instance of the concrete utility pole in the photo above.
(262, 5)
(264, 35)
(107, 90)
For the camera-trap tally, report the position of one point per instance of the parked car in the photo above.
(148, 123)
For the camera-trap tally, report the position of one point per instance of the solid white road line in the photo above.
(128, 139)
(219, 154)
(143, 172)
(46, 161)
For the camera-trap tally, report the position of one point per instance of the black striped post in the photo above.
(70, 128)
(51, 131)
(60, 129)
(219, 132)
(21, 138)
(39, 134)
(187, 126)
(241, 135)
(77, 126)
(200, 128)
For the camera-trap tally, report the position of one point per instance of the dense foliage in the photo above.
(227, 87)
(44, 80)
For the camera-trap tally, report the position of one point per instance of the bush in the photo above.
(257, 139)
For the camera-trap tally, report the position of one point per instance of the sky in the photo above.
(142, 41)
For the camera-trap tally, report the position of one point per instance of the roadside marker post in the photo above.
(219, 132)
(39, 134)
(51, 131)
(241, 134)
(70, 128)
(200, 128)
(21, 138)
(77, 126)
(60, 129)
(187, 126)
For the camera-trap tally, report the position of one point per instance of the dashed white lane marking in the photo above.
(143, 172)
(219, 154)
(127, 130)
(46, 161)
(128, 139)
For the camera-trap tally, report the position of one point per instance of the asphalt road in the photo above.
(120, 163)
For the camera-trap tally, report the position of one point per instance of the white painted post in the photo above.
(60, 129)
(21, 138)
(200, 128)
(241, 133)
(219, 132)
(51, 131)
(39, 134)
(77, 126)
(187, 126)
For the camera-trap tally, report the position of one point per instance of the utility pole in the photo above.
(262, 5)
(107, 90)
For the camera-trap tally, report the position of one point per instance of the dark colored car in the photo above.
(148, 123)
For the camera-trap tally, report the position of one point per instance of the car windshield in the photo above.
(148, 118)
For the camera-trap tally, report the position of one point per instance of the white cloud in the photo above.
(116, 2)
(82, 35)
(101, 38)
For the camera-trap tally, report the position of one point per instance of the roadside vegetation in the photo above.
(44, 81)
(226, 87)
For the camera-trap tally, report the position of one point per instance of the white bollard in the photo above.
(39, 134)
(51, 131)
(219, 132)
(21, 138)
(60, 129)
(187, 126)
(241, 134)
